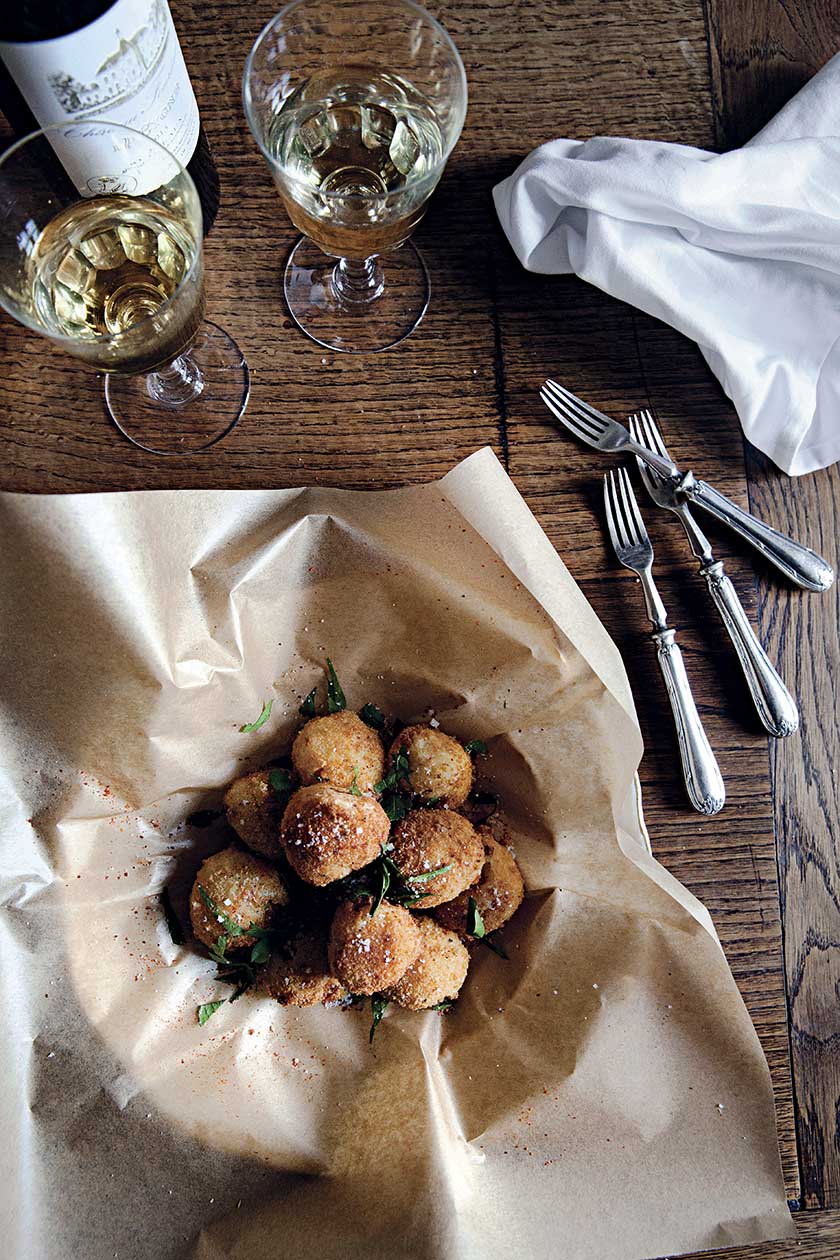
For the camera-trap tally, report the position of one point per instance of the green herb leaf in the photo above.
(172, 920)
(378, 1006)
(395, 802)
(394, 806)
(206, 1010)
(372, 716)
(446, 1005)
(261, 720)
(426, 875)
(232, 929)
(217, 951)
(431, 803)
(384, 885)
(476, 747)
(280, 782)
(355, 790)
(260, 952)
(497, 948)
(335, 696)
(307, 709)
(475, 923)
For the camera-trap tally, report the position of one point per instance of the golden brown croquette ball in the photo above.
(243, 887)
(339, 749)
(498, 893)
(253, 812)
(439, 768)
(326, 833)
(300, 975)
(368, 952)
(427, 839)
(437, 972)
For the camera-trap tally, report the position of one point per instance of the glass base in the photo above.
(179, 412)
(379, 313)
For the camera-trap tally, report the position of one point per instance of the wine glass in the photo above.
(356, 106)
(101, 251)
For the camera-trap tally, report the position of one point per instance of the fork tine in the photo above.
(614, 518)
(653, 438)
(650, 478)
(563, 411)
(586, 434)
(583, 410)
(635, 524)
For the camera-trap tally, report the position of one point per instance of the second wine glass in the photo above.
(356, 106)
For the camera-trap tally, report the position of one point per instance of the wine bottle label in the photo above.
(125, 67)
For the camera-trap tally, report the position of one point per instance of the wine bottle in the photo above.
(120, 60)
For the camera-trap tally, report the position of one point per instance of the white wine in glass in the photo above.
(116, 278)
(356, 106)
(101, 268)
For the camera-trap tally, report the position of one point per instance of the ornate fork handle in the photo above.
(775, 704)
(799, 563)
(702, 775)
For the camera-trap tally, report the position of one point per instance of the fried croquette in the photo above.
(245, 890)
(439, 768)
(339, 749)
(428, 839)
(437, 972)
(498, 893)
(326, 833)
(299, 975)
(368, 952)
(253, 812)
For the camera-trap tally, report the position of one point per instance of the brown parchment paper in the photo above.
(601, 1095)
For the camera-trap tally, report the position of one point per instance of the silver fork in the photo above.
(774, 703)
(633, 547)
(799, 563)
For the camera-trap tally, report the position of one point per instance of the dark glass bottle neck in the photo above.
(30, 20)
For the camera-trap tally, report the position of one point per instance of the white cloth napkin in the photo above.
(740, 251)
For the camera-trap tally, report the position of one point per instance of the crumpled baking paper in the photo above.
(601, 1095)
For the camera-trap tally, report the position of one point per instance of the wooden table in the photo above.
(681, 70)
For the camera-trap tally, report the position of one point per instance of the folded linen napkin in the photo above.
(740, 251)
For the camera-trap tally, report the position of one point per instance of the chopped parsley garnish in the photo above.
(378, 1006)
(261, 720)
(383, 878)
(476, 747)
(355, 790)
(335, 696)
(445, 1005)
(372, 716)
(475, 923)
(307, 709)
(242, 975)
(393, 799)
(476, 929)
(232, 931)
(421, 879)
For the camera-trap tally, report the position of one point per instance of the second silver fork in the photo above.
(633, 548)
(773, 702)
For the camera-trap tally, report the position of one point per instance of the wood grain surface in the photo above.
(760, 55)
(537, 69)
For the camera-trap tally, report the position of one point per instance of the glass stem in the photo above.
(358, 281)
(178, 383)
